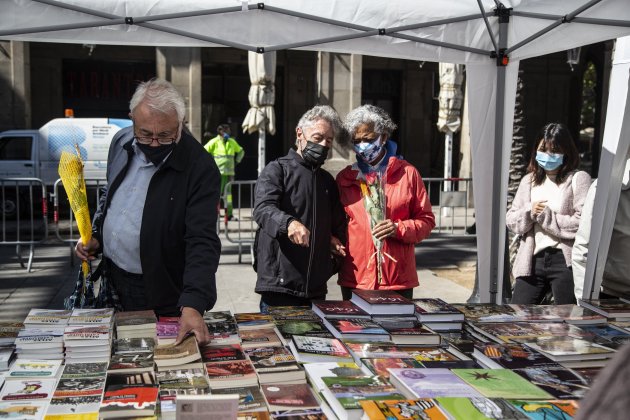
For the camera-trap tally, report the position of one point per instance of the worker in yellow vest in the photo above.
(227, 153)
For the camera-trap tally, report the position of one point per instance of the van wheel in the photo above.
(9, 205)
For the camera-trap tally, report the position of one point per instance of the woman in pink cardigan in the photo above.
(546, 214)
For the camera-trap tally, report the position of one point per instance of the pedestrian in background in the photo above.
(301, 222)
(227, 154)
(387, 207)
(546, 214)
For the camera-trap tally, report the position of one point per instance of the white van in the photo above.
(36, 153)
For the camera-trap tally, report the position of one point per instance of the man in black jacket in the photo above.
(156, 220)
(302, 223)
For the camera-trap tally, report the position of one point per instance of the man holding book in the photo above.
(155, 223)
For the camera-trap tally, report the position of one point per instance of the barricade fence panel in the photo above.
(451, 205)
(241, 228)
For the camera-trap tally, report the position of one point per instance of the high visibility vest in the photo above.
(225, 153)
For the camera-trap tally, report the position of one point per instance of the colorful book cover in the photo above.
(23, 410)
(379, 366)
(253, 320)
(291, 312)
(338, 309)
(129, 401)
(313, 328)
(352, 326)
(486, 312)
(607, 335)
(544, 410)
(512, 356)
(25, 368)
(289, 396)
(91, 333)
(134, 345)
(500, 383)
(320, 346)
(422, 409)
(431, 383)
(409, 327)
(480, 408)
(350, 391)
(84, 369)
(130, 362)
(27, 389)
(385, 350)
(236, 369)
(91, 316)
(222, 353)
(272, 359)
(73, 406)
(431, 308)
(9, 332)
(566, 348)
(165, 330)
(250, 397)
(610, 308)
(569, 313)
(259, 337)
(218, 317)
(522, 332)
(79, 387)
(177, 354)
(182, 382)
(317, 371)
(556, 380)
(381, 297)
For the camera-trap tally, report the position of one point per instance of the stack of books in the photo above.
(383, 302)
(166, 329)
(79, 392)
(84, 344)
(614, 309)
(135, 324)
(34, 343)
(222, 328)
(227, 367)
(438, 315)
(130, 395)
(177, 356)
(275, 365)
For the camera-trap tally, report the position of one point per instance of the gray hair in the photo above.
(159, 95)
(321, 112)
(371, 115)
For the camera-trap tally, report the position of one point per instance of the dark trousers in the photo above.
(129, 286)
(280, 299)
(346, 293)
(550, 273)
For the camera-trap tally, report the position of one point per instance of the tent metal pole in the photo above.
(564, 19)
(577, 19)
(497, 179)
(440, 44)
(316, 18)
(191, 35)
(433, 23)
(485, 20)
(66, 27)
(321, 41)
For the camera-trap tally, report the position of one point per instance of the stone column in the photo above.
(15, 93)
(182, 67)
(339, 85)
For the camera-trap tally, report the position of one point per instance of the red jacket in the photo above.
(408, 205)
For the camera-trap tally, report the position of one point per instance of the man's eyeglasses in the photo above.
(164, 141)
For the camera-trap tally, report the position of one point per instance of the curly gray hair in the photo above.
(370, 115)
(159, 95)
(321, 112)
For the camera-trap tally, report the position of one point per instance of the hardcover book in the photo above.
(289, 397)
(319, 349)
(500, 383)
(480, 408)
(338, 309)
(356, 329)
(382, 302)
(407, 330)
(425, 409)
(430, 383)
(171, 354)
(436, 310)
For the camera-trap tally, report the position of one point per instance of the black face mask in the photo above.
(314, 153)
(156, 154)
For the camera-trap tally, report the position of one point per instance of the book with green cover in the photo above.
(500, 383)
(350, 390)
(480, 408)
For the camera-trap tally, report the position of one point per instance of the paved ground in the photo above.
(52, 277)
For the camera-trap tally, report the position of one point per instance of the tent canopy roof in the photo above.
(445, 31)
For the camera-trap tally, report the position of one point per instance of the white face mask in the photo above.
(368, 152)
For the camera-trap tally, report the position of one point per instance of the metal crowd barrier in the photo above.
(24, 215)
(447, 195)
(242, 229)
(66, 229)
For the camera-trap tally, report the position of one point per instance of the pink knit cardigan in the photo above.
(563, 224)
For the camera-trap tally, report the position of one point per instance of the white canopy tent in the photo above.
(489, 36)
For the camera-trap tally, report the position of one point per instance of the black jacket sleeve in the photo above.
(267, 201)
(203, 247)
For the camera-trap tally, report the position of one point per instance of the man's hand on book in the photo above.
(191, 321)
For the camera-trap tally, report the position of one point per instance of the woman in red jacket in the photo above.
(387, 206)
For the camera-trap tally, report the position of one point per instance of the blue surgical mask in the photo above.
(368, 152)
(549, 161)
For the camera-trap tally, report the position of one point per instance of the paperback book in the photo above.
(231, 374)
(543, 410)
(282, 397)
(380, 366)
(223, 353)
(312, 328)
(436, 310)
(561, 349)
(174, 383)
(9, 332)
(131, 363)
(356, 329)
(319, 349)
(571, 314)
(316, 371)
(47, 318)
(23, 410)
(29, 369)
(500, 383)
(480, 408)
(408, 330)
(425, 409)
(134, 345)
(177, 354)
(430, 383)
(250, 398)
(253, 320)
(129, 401)
(486, 312)
(91, 316)
(27, 389)
(259, 337)
(279, 313)
(610, 308)
(275, 364)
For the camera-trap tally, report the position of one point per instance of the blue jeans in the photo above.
(550, 273)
